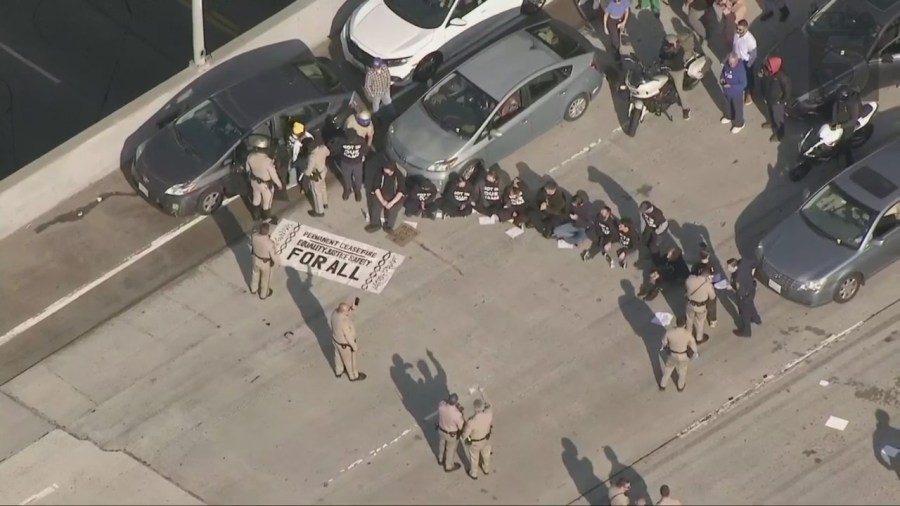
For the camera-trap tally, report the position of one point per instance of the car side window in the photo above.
(888, 37)
(511, 107)
(888, 223)
(544, 83)
(306, 113)
(891, 48)
(264, 129)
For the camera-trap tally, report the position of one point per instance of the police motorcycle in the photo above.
(823, 143)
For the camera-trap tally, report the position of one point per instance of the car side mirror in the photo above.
(494, 133)
(458, 22)
(806, 193)
(878, 241)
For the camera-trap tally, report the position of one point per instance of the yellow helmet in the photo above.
(298, 128)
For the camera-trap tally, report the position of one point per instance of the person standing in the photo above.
(771, 6)
(733, 11)
(776, 92)
(700, 293)
(343, 334)
(674, 56)
(734, 82)
(742, 279)
(618, 494)
(378, 84)
(450, 426)
(388, 191)
(653, 5)
(655, 226)
(745, 47)
(615, 19)
(361, 123)
(665, 497)
(677, 343)
(697, 11)
(353, 151)
(477, 434)
(263, 176)
(264, 258)
(314, 174)
(299, 144)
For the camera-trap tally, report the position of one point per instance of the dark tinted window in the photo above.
(873, 182)
(561, 43)
(883, 5)
(320, 76)
(542, 84)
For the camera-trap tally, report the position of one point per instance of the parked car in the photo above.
(844, 234)
(195, 160)
(498, 101)
(855, 42)
(419, 35)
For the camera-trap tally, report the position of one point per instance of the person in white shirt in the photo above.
(745, 47)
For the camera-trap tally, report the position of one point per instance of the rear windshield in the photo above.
(559, 42)
(320, 76)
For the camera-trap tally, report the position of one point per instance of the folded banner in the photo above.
(334, 257)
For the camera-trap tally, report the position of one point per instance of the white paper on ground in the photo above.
(515, 232)
(888, 453)
(413, 224)
(663, 319)
(836, 423)
(722, 285)
(487, 220)
(563, 244)
(824, 383)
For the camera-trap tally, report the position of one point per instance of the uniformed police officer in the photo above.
(618, 495)
(655, 227)
(706, 259)
(263, 178)
(450, 426)
(361, 123)
(264, 258)
(477, 435)
(742, 271)
(700, 292)
(314, 174)
(388, 192)
(343, 334)
(676, 343)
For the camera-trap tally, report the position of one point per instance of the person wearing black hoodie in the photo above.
(552, 209)
(671, 269)
(489, 194)
(516, 203)
(575, 230)
(458, 199)
(776, 91)
(423, 198)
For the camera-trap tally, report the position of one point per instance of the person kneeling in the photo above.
(458, 199)
(672, 269)
(388, 193)
(423, 199)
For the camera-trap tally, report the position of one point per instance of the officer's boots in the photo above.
(255, 212)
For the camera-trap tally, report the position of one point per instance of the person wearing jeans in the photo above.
(745, 47)
(734, 83)
(574, 231)
(378, 85)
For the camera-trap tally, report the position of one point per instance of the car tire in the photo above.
(847, 288)
(530, 7)
(427, 67)
(576, 107)
(472, 171)
(210, 201)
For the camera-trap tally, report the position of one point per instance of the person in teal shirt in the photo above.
(652, 4)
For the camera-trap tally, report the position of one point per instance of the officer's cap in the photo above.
(298, 128)
(478, 404)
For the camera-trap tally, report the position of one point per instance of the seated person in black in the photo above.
(515, 204)
(671, 269)
(604, 233)
(489, 194)
(423, 198)
(552, 209)
(458, 199)
(629, 240)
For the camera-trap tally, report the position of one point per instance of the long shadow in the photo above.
(311, 311)
(693, 233)
(625, 205)
(710, 81)
(589, 486)
(885, 435)
(619, 470)
(640, 317)
(531, 178)
(232, 231)
(420, 397)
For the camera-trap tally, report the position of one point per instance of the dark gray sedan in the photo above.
(195, 161)
(845, 233)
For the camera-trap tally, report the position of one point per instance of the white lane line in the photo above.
(30, 63)
(128, 262)
(40, 495)
(585, 150)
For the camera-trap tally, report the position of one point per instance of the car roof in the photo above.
(890, 6)
(879, 172)
(504, 64)
(260, 97)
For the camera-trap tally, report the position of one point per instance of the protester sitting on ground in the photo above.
(458, 199)
(516, 202)
(551, 209)
(489, 194)
(575, 230)
(423, 198)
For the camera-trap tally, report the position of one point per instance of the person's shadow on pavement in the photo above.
(421, 397)
(589, 486)
(618, 470)
(885, 435)
(311, 311)
(640, 317)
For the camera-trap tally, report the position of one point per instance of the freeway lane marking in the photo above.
(40, 495)
(128, 262)
(216, 19)
(26, 61)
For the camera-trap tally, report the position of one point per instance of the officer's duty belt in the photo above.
(261, 258)
(341, 345)
(485, 438)
(698, 304)
(259, 180)
(670, 350)
(451, 434)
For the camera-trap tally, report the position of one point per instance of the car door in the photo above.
(505, 131)
(886, 66)
(311, 115)
(547, 97)
(883, 247)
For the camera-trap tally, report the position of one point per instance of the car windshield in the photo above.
(207, 131)
(458, 106)
(844, 22)
(428, 14)
(838, 217)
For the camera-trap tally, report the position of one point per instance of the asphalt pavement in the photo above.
(228, 399)
(67, 65)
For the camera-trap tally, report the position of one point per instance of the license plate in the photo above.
(774, 286)
(143, 189)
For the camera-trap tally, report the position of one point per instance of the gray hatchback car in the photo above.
(840, 237)
(496, 102)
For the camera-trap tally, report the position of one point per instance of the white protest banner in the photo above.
(334, 257)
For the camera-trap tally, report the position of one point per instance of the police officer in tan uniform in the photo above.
(264, 258)
(263, 176)
(450, 426)
(477, 434)
(618, 494)
(700, 293)
(361, 122)
(665, 497)
(343, 333)
(316, 169)
(676, 344)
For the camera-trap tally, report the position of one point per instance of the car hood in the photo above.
(797, 251)
(386, 35)
(165, 160)
(417, 139)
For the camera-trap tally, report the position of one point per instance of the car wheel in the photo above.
(210, 201)
(472, 171)
(428, 67)
(847, 288)
(532, 6)
(577, 107)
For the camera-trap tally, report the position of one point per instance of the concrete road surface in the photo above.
(67, 65)
(233, 400)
